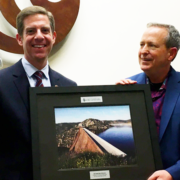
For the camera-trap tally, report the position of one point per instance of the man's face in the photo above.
(37, 39)
(154, 57)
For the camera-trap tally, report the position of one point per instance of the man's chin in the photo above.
(145, 68)
(41, 58)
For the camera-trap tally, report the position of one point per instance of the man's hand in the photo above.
(126, 81)
(160, 175)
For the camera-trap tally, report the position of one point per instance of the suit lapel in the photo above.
(21, 82)
(171, 96)
(141, 79)
(53, 78)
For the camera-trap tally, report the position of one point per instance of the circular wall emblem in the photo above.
(65, 13)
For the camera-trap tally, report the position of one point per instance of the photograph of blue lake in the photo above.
(120, 137)
(94, 136)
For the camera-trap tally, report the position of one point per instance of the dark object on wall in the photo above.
(65, 13)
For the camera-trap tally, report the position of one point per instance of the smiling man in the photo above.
(158, 48)
(36, 34)
(154, 55)
(37, 37)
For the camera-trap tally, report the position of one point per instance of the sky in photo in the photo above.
(79, 114)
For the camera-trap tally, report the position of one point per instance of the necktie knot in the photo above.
(38, 76)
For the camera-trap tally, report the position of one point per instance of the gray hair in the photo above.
(173, 38)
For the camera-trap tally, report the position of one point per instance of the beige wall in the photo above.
(103, 44)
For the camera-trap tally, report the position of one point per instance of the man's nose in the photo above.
(39, 35)
(144, 49)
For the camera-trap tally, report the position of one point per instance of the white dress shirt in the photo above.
(30, 70)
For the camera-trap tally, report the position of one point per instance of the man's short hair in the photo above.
(173, 38)
(33, 10)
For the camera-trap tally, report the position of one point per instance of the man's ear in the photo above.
(19, 39)
(172, 53)
(54, 36)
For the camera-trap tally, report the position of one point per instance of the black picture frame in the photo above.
(44, 145)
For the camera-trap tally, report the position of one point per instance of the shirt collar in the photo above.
(164, 84)
(30, 69)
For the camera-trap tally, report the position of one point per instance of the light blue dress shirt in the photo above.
(30, 70)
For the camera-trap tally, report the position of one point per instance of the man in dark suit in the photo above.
(36, 34)
(158, 48)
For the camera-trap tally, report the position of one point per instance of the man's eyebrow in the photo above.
(29, 28)
(45, 27)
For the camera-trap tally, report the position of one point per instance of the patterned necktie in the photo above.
(38, 75)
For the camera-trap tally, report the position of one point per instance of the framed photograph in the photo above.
(93, 132)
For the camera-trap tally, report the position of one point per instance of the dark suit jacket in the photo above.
(169, 135)
(15, 141)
